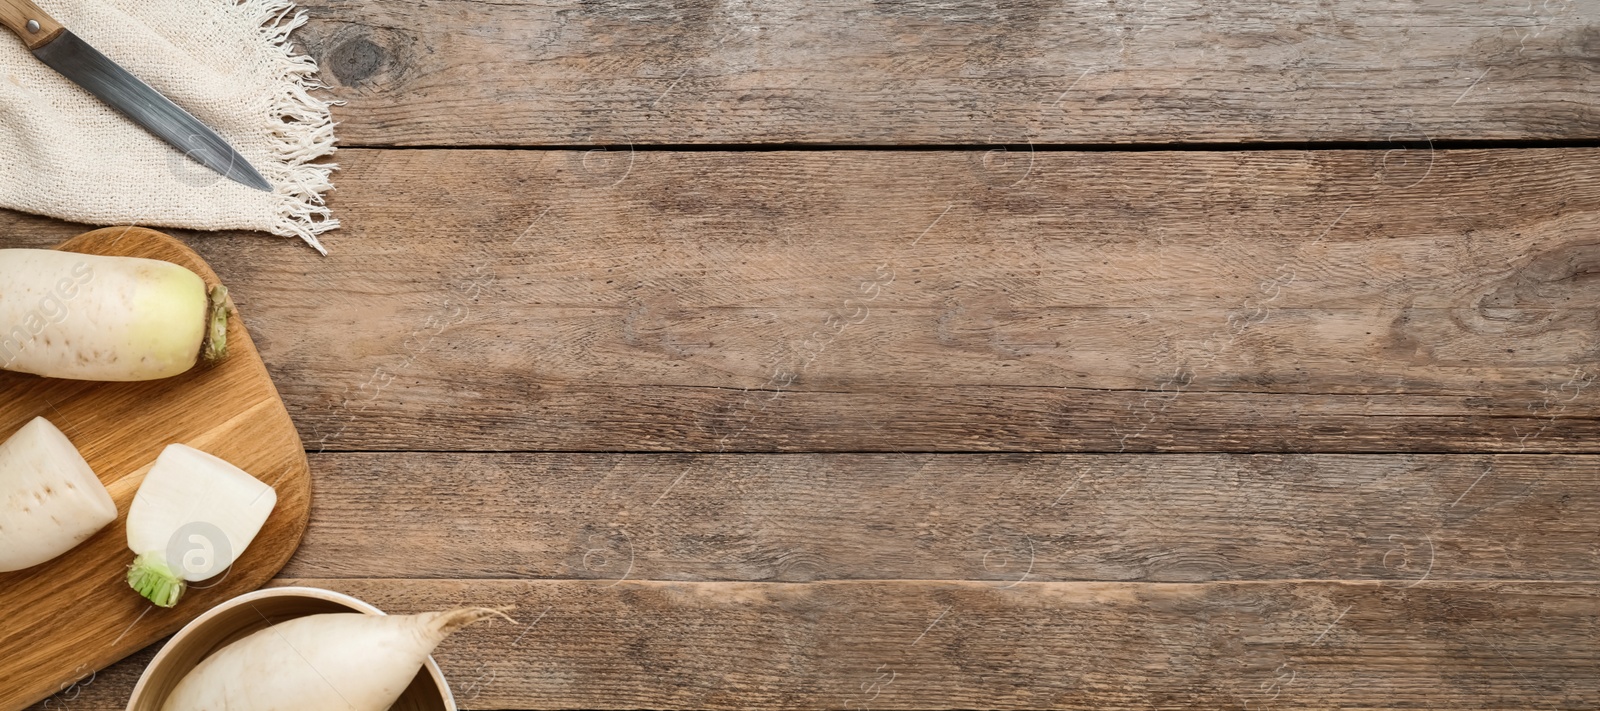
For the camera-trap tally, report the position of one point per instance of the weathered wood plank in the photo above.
(941, 300)
(937, 644)
(462, 72)
(1002, 518)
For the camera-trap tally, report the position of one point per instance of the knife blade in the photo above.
(76, 60)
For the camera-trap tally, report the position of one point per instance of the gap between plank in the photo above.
(1450, 144)
(1353, 582)
(964, 452)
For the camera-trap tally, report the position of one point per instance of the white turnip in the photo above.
(331, 662)
(90, 317)
(193, 516)
(50, 500)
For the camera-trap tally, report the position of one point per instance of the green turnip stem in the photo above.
(215, 347)
(150, 576)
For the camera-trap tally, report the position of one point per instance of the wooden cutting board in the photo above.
(65, 619)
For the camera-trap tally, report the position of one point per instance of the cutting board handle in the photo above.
(34, 26)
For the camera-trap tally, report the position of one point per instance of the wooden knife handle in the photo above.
(29, 22)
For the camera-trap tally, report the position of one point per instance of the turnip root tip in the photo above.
(448, 621)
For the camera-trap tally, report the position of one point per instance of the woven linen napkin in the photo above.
(65, 154)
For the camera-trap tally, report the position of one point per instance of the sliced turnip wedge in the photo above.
(50, 500)
(193, 516)
(342, 661)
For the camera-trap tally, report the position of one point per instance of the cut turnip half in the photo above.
(95, 317)
(50, 500)
(193, 516)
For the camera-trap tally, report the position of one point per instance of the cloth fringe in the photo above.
(302, 126)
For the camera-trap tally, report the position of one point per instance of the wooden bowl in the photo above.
(245, 614)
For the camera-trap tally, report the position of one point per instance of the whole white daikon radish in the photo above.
(332, 662)
(193, 516)
(50, 500)
(90, 317)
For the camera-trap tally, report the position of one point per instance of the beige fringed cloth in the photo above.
(231, 63)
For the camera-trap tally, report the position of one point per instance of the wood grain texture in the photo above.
(942, 644)
(999, 518)
(74, 614)
(943, 300)
(841, 313)
(463, 72)
(15, 16)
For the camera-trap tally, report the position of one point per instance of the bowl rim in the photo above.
(284, 591)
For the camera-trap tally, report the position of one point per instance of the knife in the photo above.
(66, 53)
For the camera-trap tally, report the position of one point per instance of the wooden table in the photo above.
(913, 354)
